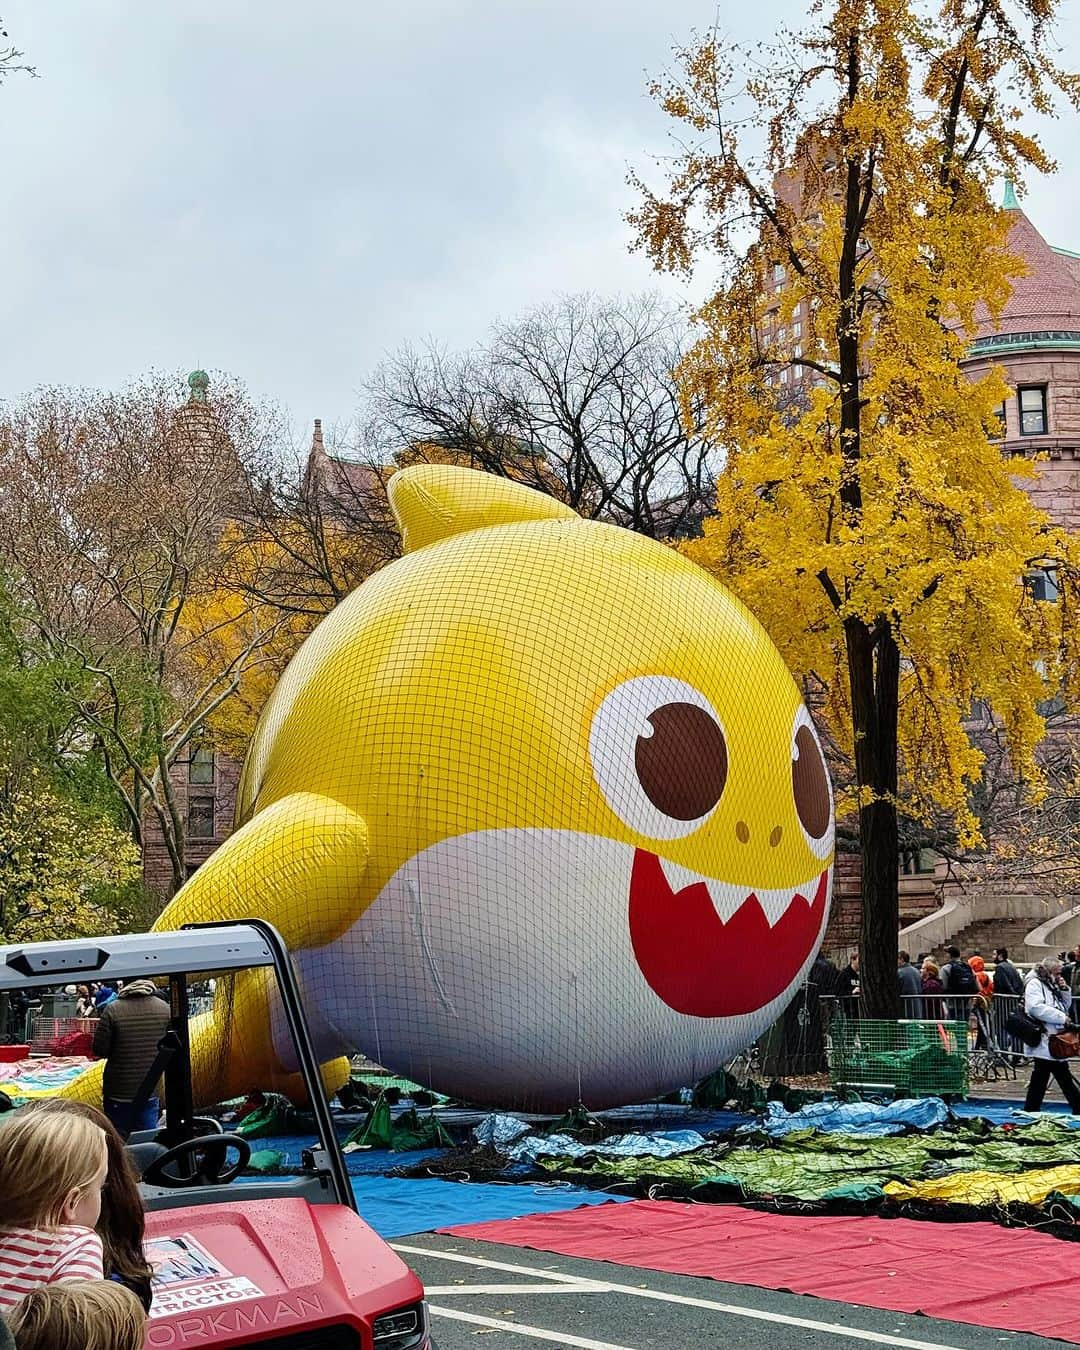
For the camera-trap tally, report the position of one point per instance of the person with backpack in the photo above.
(959, 979)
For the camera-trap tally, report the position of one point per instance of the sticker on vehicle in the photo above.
(205, 1294)
(179, 1260)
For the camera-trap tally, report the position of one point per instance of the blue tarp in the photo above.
(664, 1144)
(869, 1119)
(1011, 1112)
(361, 1163)
(395, 1206)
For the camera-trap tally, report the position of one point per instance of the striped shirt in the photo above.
(33, 1256)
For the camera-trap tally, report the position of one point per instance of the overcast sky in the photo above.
(289, 191)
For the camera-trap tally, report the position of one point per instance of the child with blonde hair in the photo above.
(87, 1315)
(52, 1169)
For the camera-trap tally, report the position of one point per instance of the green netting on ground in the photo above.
(812, 1166)
(917, 1059)
(388, 1082)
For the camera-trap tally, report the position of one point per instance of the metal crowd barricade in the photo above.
(44, 1034)
(909, 1057)
(993, 1052)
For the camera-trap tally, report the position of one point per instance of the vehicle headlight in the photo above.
(403, 1329)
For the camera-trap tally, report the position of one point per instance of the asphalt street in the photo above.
(522, 1300)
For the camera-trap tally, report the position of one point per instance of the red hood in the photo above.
(275, 1266)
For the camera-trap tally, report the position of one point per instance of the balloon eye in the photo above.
(659, 756)
(810, 784)
(682, 765)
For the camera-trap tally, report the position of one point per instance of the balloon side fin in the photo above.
(299, 862)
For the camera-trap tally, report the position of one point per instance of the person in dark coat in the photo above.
(1007, 979)
(821, 984)
(126, 1038)
(931, 984)
(910, 986)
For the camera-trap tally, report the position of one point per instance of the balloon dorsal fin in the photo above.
(433, 501)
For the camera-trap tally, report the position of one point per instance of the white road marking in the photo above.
(731, 1309)
(586, 1287)
(460, 1257)
(537, 1333)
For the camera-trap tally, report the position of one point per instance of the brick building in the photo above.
(205, 786)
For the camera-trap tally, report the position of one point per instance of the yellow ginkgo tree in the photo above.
(863, 513)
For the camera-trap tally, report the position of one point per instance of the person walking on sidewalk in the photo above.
(1048, 999)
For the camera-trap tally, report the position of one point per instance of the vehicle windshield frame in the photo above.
(220, 948)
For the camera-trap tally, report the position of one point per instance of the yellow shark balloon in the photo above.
(539, 810)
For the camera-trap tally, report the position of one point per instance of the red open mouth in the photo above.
(706, 967)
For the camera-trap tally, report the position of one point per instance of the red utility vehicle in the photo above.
(285, 1263)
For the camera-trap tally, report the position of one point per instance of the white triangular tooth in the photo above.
(726, 898)
(679, 877)
(775, 904)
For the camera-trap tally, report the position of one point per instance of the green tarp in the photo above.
(814, 1166)
(409, 1131)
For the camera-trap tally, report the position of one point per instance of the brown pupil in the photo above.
(682, 766)
(810, 784)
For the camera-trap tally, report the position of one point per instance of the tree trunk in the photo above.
(874, 673)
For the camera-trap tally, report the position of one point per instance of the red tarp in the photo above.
(1011, 1278)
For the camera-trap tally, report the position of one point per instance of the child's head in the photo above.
(78, 1315)
(122, 1223)
(52, 1169)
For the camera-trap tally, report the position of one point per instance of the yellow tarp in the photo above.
(986, 1188)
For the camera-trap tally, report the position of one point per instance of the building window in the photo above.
(917, 862)
(796, 328)
(778, 273)
(1042, 584)
(200, 818)
(1002, 423)
(1032, 400)
(201, 765)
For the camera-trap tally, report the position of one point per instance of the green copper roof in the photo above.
(198, 383)
(1010, 203)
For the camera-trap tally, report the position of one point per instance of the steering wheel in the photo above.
(208, 1153)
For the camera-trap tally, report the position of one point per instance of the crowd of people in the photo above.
(72, 1271)
(963, 989)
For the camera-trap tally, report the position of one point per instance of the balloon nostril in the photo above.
(776, 836)
(742, 832)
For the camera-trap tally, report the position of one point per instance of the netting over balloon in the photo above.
(539, 810)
